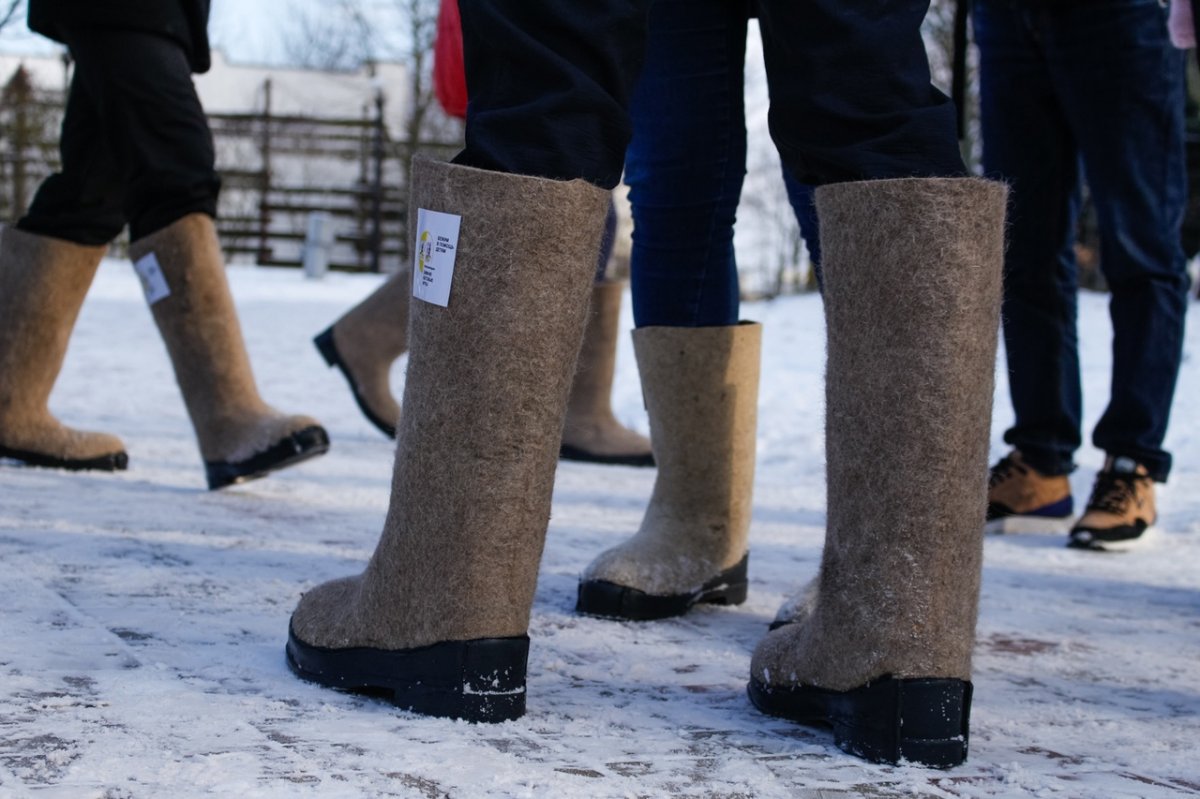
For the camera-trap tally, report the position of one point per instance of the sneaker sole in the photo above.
(1148, 536)
(1028, 524)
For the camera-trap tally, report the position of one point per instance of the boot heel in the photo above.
(923, 721)
(324, 344)
(482, 680)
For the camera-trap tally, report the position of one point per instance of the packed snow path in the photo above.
(142, 618)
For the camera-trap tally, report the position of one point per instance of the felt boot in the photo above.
(438, 622)
(241, 437)
(591, 432)
(42, 285)
(701, 390)
(364, 344)
(881, 648)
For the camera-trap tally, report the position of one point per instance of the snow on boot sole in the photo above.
(612, 601)
(1028, 524)
(479, 681)
(112, 462)
(295, 448)
(890, 720)
(329, 351)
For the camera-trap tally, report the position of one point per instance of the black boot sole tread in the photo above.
(482, 680)
(613, 601)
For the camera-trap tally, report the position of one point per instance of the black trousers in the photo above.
(851, 98)
(136, 147)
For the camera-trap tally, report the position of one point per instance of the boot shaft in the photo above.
(43, 282)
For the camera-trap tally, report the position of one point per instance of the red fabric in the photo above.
(449, 74)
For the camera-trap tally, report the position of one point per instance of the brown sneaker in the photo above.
(1121, 507)
(1022, 499)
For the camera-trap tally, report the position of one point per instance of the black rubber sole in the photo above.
(324, 344)
(478, 681)
(299, 446)
(613, 601)
(1101, 540)
(112, 462)
(923, 721)
(572, 453)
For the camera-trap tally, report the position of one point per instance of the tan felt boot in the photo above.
(42, 285)
(701, 389)
(882, 650)
(241, 437)
(364, 344)
(591, 432)
(438, 621)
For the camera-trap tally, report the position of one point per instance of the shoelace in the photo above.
(1114, 492)
(1003, 470)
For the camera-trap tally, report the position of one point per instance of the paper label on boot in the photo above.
(437, 247)
(154, 282)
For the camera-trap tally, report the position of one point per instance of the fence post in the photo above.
(264, 191)
(377, 156)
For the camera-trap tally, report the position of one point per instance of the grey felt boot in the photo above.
(365, 342)
(881, 646)
(241, 437)
(42, 285)
(591, 432)
(438, 621)
(701, 390)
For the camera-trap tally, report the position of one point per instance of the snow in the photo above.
(144, 618)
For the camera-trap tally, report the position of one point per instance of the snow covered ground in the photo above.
(142, 619)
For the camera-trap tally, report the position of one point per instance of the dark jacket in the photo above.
(185, 21)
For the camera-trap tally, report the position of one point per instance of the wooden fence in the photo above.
(275, 169)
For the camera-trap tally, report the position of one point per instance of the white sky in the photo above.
(249, 31)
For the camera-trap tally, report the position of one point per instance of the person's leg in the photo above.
(439, 618)
(800, 196)
(699, 368)
(912, 266)
(1135, 167)
(47, 263)
(152, 123)
(1028, 144)
(686, 163)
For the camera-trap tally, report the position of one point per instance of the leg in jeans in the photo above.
(685, 164)
(1028, 143)
(1133, 157)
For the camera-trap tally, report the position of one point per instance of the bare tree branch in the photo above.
(8, 14)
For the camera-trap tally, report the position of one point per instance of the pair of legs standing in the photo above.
(1099, 87)
(136, 150)
(439, 618)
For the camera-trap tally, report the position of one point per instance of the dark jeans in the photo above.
(686, 163)
(135, 143)
(1096, 84)
(550, 85)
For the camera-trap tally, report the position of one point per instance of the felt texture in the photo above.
(199, 326)
(1029, 490)
(912, 298)
(701, 390)
(484, 400)
(590, 423)
(371, 336)
(42, 285)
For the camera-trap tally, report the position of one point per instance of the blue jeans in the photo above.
(1096, 85)
(687, 159)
